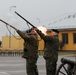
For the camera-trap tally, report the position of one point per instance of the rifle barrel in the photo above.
(7, 24)
(24, 19)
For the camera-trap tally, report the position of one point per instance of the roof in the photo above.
(66, 21)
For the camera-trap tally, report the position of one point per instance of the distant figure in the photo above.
(0, 43)
(61, 44)
(51, 47)
(30, 51)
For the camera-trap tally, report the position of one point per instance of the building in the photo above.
(66, 24)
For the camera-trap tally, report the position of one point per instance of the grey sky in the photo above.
(44, 10)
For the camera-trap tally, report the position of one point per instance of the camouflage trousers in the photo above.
(50, 67)
(31, 66)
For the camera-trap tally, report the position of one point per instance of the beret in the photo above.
(55, 30)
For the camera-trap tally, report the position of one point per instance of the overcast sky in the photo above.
(35, 11)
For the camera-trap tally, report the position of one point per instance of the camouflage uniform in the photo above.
(61, 44)
(30, 52)
(51, 47)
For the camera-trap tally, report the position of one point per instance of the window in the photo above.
(74, 38)
(65, 38)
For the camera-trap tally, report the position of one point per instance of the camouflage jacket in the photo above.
(51, 46)
(30, 45)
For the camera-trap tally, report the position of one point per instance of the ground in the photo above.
(16, 65)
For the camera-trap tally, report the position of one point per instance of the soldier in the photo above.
(61, 44)
(51, 47)
(30, 51)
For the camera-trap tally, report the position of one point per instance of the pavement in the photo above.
(16, 65)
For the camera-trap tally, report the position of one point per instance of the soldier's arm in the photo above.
(40, 34)
(44, 37)
(23, 35)
(61, 44)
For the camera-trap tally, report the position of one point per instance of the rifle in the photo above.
(25, 20)
(8, 24)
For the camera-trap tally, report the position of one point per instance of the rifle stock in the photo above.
(25, 19)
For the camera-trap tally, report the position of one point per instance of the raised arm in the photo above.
(40, 33)
(23, 35)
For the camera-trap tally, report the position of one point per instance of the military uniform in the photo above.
(61, 44)
(51, 47)
(30, 52)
